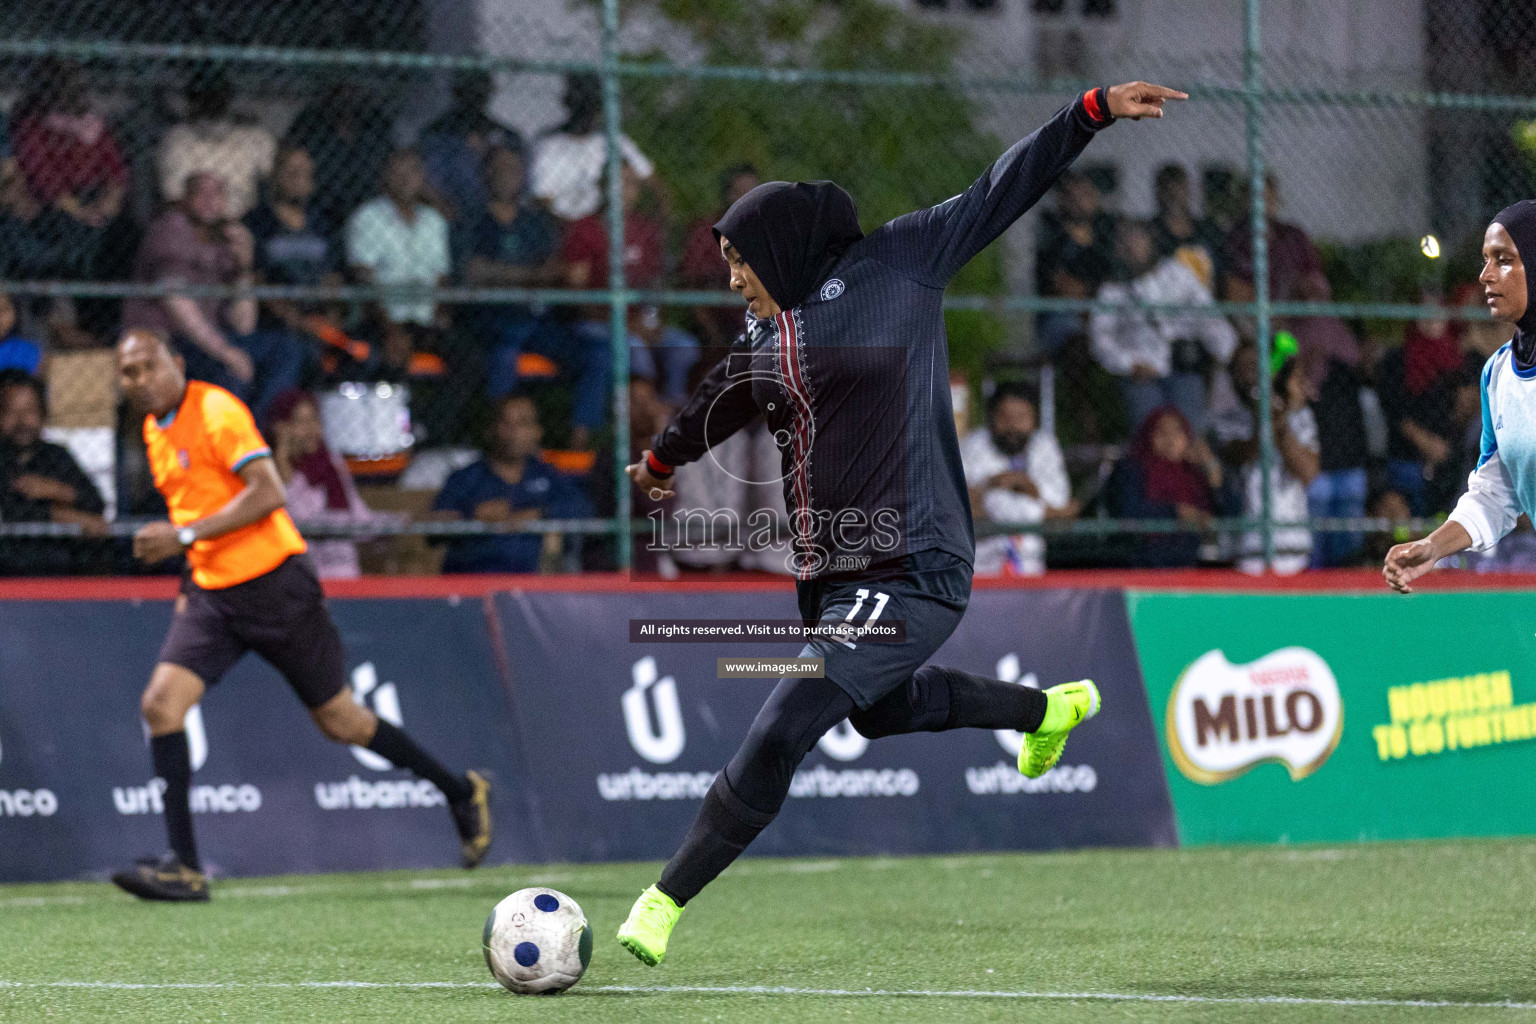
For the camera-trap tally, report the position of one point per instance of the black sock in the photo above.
(725, 827)
(401, 751)
(173, 763)
(977, 702)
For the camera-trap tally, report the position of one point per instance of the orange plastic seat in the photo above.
(386, 466)
(531, 364)
(573, 462)
(425, 364)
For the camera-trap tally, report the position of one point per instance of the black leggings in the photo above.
(747, 795)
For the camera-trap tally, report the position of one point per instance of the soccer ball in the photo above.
(537, 941)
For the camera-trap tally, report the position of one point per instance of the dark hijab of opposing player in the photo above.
(791, 234)
(1520, 221)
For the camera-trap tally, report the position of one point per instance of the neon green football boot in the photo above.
(1067, 706)
(649, 925)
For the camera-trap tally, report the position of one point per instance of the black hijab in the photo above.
(1520, 221)
(792, 234)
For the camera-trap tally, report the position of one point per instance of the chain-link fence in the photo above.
(387, 227)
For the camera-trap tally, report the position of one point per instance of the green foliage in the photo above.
(1385, 270)
(893, 149)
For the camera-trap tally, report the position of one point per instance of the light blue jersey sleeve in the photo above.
(1492, 504)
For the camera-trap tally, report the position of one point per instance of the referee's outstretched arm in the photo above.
(932, 245)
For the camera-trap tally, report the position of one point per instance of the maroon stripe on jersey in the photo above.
(794, 378)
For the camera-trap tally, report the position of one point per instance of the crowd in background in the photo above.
(1362, 425)
(1359, 427)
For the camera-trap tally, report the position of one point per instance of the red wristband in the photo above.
(1096, 105)
(656, 466)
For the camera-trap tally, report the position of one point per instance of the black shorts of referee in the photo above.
(281, 615)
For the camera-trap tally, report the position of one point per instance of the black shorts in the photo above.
(928, 591)
(280, 615)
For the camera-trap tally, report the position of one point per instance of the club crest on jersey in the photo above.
(832, 289)
(183, 458)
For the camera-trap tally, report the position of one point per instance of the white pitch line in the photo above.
(782, 990)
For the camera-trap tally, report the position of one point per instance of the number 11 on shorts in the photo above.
(862, 594)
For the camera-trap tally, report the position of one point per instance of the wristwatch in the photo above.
(186, 536)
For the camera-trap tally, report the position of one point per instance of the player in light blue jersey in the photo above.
(1504, 483)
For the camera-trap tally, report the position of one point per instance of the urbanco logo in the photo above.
(23, 803)
(385, 700)
(1010, 671)
(656, 735)
(1223, 719)
(843, 742)
(197, 736)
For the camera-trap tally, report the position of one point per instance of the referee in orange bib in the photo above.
(251, 588)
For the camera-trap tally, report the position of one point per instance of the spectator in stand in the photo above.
(1074, 255)
(510, 485)
(348, 137)
(515, 243)
(1418, 384)
(318, 483)
(648, 416)
(71, 163)
(1233, 398)
(703, 269)
(192, 244)
(294, 246)
(569, 163)
(1321, 340)
(1296, 445)
(1329, 355)
(728, 509)
(1293, 259)
(1169, 473)
(211, 140)
(40, 483)
(1339, 490)
(397, 239)
(1177, 228)
(17, 352)
(661, 353)
(30, 236)
(1016, 474)
(454, 148)
(1159, 358)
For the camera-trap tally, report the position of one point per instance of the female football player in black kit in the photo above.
(845, 358)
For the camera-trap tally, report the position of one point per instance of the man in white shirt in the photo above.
(1016, 474)
(1155, 354)
(399, 239)
(568, 164)
(210, 141)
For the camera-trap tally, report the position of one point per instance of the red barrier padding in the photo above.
(1364, 581)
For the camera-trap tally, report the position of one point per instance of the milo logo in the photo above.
(1223, 718)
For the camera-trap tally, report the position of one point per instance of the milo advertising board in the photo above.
(1328, 717)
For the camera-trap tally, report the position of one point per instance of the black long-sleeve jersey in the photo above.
(854, 382)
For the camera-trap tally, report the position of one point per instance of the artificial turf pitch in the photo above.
(1393, 932)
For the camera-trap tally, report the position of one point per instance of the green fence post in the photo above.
(612, 118)
(1253, 109)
